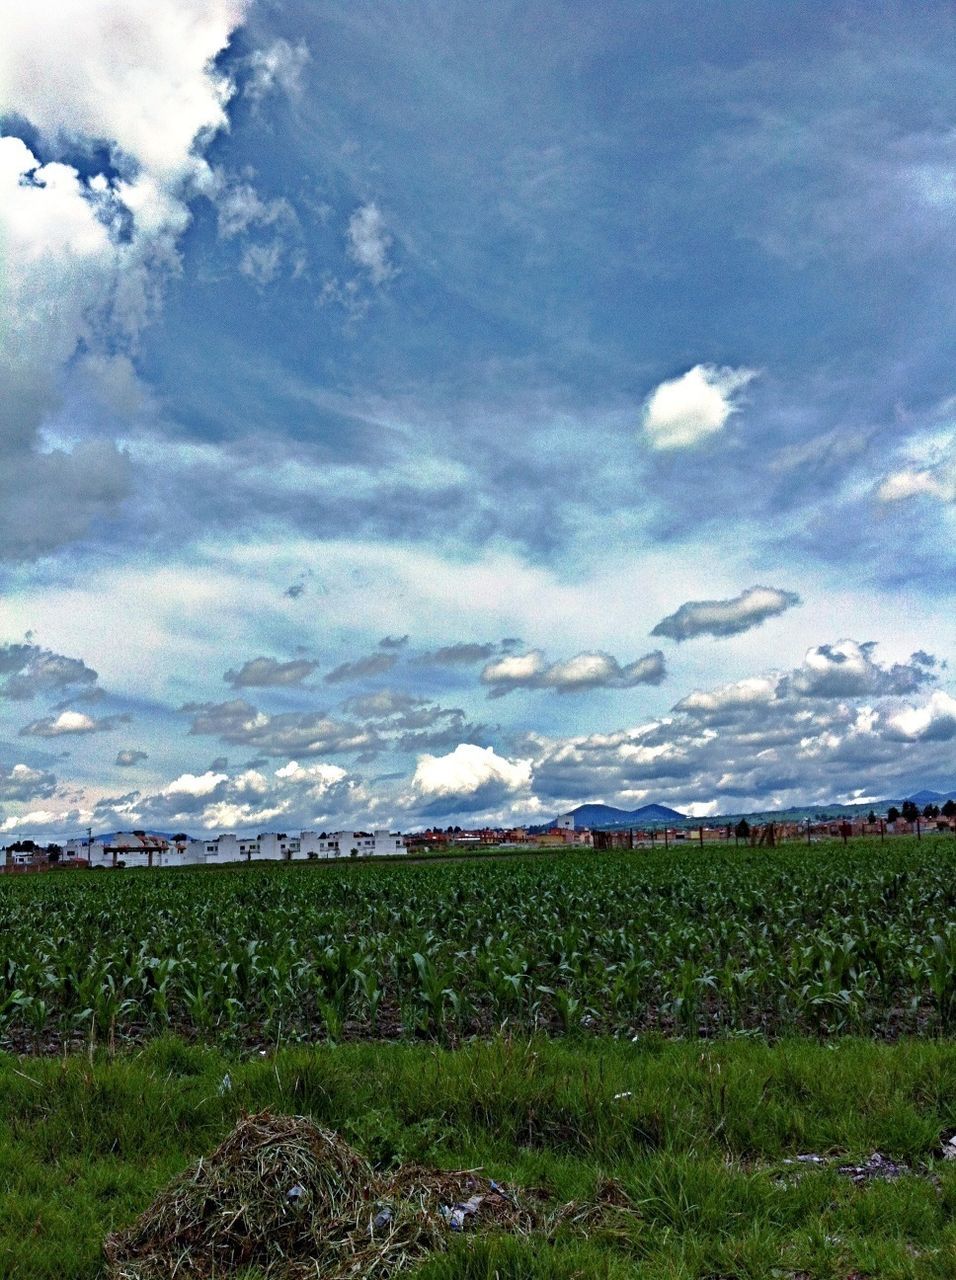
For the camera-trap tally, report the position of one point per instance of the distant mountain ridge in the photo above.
(931, 797)
(605, 815)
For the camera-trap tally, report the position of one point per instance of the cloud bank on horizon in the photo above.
(341, 340)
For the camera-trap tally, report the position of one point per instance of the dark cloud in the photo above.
(375, 664)
(32, 670)
(125, 759)
(393, 642)
(461, 654)
(726, 617)
(290, 734)
(381, 705)
(266, 672)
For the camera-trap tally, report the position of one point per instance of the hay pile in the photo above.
(292, 1200)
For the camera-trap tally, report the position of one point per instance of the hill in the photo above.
(605, 815)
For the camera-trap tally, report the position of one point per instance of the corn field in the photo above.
(690, 943)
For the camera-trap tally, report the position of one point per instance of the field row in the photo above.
(828, 939)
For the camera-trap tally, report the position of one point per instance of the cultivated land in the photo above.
(682, 1023)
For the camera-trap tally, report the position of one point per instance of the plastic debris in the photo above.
(811, 1159)
(455, 1215)
(626, 1094)
(382, 1219)
(225, 1085)
(295, 1195)
(949, 1147)
(878, 1167)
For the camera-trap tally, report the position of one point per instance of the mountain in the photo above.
(922, 798)
(605, 815)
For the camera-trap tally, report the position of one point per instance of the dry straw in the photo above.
(291, 1200)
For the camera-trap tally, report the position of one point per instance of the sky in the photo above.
(425, 413)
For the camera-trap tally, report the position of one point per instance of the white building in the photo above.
(136, 849)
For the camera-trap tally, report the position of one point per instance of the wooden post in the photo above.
(808, 833)
(882, 830)
(700, 832)
(665, 837)
(631, 835)
(919, 834)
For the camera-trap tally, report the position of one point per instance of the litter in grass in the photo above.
(878, 1168)
(949, 1146)
(295, 1201)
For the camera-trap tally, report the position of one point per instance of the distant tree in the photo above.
(949, 809)
(742, 829)
(892, 814)
(931, 811)
(872, 818)
(910, 811)
(180, 838)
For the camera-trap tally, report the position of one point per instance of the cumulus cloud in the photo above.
(848, 669)
(265, 672)
(294, 795)
(32, 670)
(85, 254)
(934, 721)
(21, 783)
(126, 759)
(369, 243)
(683, 411)
(755, 691)
(584, 671)
(726, 617)
(469, 778)
(71, 722)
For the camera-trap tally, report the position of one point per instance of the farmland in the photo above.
(858, 939)
(677, 1026)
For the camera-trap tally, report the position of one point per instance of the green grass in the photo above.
(699, 1143)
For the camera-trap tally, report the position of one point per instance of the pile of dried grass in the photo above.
(292, 1200)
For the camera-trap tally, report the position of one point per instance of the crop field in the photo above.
(726, 1064)
(829, 939)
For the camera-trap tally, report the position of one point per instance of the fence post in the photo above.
(665, 837)
(808, 833)
(882, 830)
(700, 832)
(919, 834)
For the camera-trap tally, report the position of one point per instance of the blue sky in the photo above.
(421, 412)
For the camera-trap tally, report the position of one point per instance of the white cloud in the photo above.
(934, 721)
(592, 670)
(369, 242)
(191, 784)
(909, 483)
(685, 410)
(139, 79)
(85, 257)
(752, 692)
(65, 722)
(277, 67)
(468, 770)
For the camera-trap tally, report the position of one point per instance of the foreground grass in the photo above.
(696, 1132)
